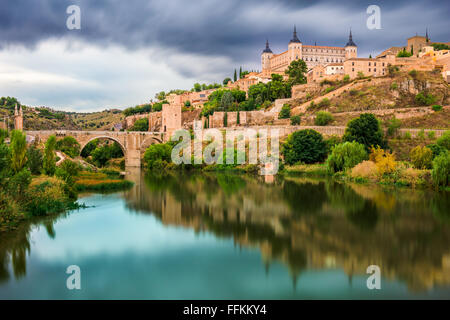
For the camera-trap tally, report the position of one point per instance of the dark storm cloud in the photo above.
(233, 28)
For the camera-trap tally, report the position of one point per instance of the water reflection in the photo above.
(311, 224)
(303, 223)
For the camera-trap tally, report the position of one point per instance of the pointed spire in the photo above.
(294, 36)
(20, 110)
(16, 112)
(267, 49)
(350, 40)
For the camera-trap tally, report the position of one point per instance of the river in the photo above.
(229, 236)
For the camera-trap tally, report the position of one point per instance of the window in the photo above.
(369, 65)
(353, 69)
(353, 63)
(369, 69)
(375, 64)
(374, 69)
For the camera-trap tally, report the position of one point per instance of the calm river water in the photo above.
(226, 236)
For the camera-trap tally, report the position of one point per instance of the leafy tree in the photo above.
(67, 171)
(441, 170)
(102, 154)
(35, 160)
(18, 149)
(160, 96)
(49, 156)
(187, 104)
(425, 99)
(421, 157)
(305, 146)
(140, 125)
(440, 46)
(297, 72)
(89, 147)
(197, 87)
(226, 80)
(227, 100)
(158, 153)
(404, 54)
(345, 156)
(3, 135)
(69, 145)
(365, 130)
(444, 140)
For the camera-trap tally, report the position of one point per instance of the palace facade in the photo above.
(313, 55)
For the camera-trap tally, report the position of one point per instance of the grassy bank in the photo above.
(100, 181)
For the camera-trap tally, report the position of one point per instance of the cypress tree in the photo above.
(235, 75)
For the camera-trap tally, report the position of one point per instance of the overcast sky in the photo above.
(127, 50)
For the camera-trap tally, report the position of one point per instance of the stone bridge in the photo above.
(133, 144)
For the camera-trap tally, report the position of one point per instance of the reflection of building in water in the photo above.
(308, 224)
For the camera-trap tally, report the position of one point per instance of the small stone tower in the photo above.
(294, 47)
(265, 57)
(18, 118)
(351, 50)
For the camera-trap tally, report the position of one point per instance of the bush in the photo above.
(35, 160)
(394, 86)
(436, 107)
(295, 120)
(384, 160)
(365, 130)
(441, 170)
(158, 155)
(324, 103)
(49, 156)
(323, 118)
(305, 146)
(69, 145)
(407, 135)
(140, 125)
(67, 171)
(421, 134)
(436, 149)
(346, 78)
(444, 140)
(421, 157)
(329, 89)
(285, 112)
(345, 155)
(425, 99)
(431, 135)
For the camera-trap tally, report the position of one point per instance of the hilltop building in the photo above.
(313, 55)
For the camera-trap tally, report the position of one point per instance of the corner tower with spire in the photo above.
(351, 50)
(295, 47)
(265, 57)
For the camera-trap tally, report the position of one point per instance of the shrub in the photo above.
(35, 160)
(345, 155)
(436, 107)
(393, 125)
(323, 118)
(407, 135)
(421, 134)
(305, 146)
(353, 92)
(384, 160)
(441, 170)
(394, 86)
(346, 78)
(425, 99)
(49, 156)
(67, 171)
(285, 112)
(69, 145)
(332, 141)
(421, 157)
(365, 170)
(329, 89)
(155, 152)
(444, 140)
(431, 135)
(365, 130)
(295, 120)
(324, 103)
(436, 149)
(18, 150)
(413, 73)
(140, 125)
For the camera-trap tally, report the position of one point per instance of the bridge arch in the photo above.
(84, 144)
(148, 142)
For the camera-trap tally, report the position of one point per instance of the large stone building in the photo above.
(313, 55)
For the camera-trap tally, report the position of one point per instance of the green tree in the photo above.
(49, 156)
(18, 149)
(226, 100)
(35, 160)
(158, 153)
(444, 140)
(345, 156)
(323, 118)
(297, 72)
(197, 87)
(226, 80)
(305, 146)
(235, 75)
(441, 170)
(140, 125)
(366, 130)
(69, 145)
(240, 72)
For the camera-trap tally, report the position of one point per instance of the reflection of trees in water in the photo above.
(302, 222)
(15, 245)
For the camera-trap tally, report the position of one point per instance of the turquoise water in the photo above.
(225, 236)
